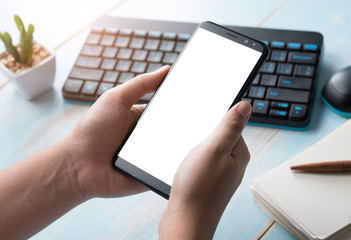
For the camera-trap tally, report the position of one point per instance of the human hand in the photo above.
(207, 179)
(99, 134)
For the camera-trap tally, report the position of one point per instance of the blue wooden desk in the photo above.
(27, 127)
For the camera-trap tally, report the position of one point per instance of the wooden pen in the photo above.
(333, 166)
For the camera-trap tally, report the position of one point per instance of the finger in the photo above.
(230, 128)
(131, 91)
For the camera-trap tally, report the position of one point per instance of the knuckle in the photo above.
(108, 94)
(246, 152)
(241, 152)
(247, 156)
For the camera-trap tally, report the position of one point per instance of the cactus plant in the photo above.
(26, 38)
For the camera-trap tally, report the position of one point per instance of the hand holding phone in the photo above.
(207, 179)
(210, 75)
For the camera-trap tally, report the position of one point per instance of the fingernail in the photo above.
(244, 108)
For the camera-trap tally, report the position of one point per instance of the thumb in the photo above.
(132, 90)
(231, 126)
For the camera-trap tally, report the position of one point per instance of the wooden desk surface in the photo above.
(27, 126)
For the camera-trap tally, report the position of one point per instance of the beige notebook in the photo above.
(311, 205)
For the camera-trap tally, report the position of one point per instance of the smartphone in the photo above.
(211, 74)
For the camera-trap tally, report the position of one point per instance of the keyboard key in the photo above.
(277, 44)
(169, 35)
(169, 58)
(153, 67)
(294, 46)
(73, 85)
(93, 51)
(109, 52)
(268, 80)
(139, 55)
(167, 46)
(140, 33)
(260, 107)
(155, 56)
(301, 57)
(304, 70)
(110, 76)
(103, 87)
(155, 34)
(138, 67)
(285, 68)
(184, 36)
(107, 40)
(268, 67)
(122, 42)
(93, 39)
(125, 77)
(137, 43)
(295, 82)
(108, 64)
(89, 88)
(280, 105)
(256, 80)
(257, 92)
(123, 66)
(249, 100)
(98, 29)
(111, 30)
(278, 113)
(279, 56)
(152, 44)
(179, 46)
(310, 47)
(88, 62)
(288, 95)
(86, 74)
(124, 53)
(126, 32)
(297, 112)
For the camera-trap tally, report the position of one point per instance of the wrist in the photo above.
(64, 175)
(36, 191)
(73, 168)
(186, 224)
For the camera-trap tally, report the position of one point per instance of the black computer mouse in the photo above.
(337, 92)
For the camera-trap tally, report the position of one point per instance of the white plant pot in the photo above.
(35, 80)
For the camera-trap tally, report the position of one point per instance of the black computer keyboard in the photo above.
(117, 49)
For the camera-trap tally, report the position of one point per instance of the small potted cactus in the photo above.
(29, 66)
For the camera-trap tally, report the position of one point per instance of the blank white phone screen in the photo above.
(190, 103)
